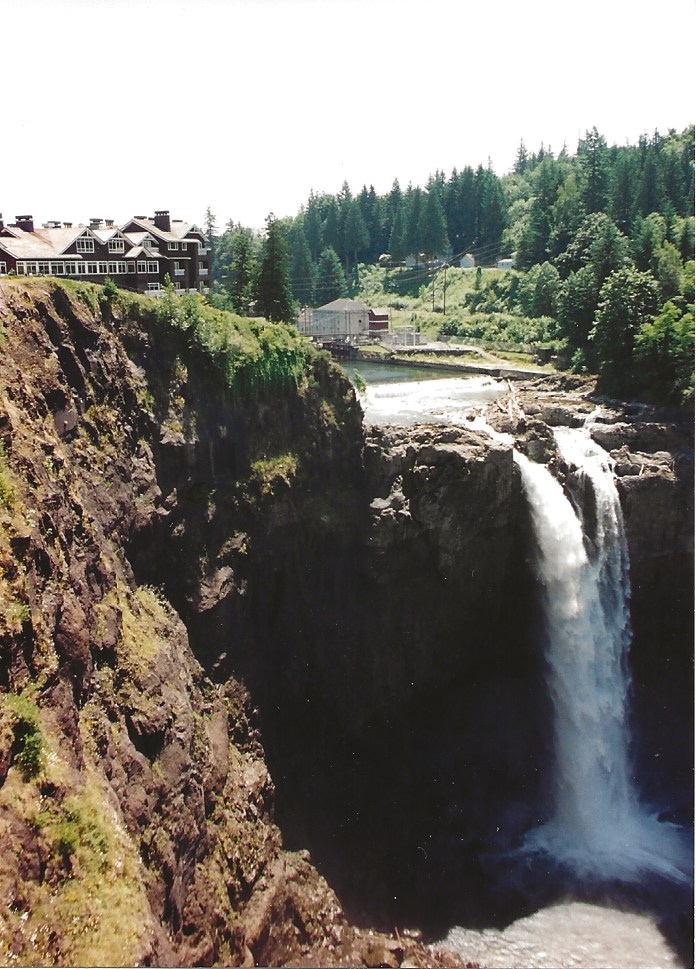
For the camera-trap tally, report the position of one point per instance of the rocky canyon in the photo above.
(271, 685)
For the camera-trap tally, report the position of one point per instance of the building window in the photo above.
(57, 268)
(152, 267)
(116, 245)
(131, 267)
(142, 266)
(85, 245)
(184, 246)
(3, 268)
(153, 287)
(178, 269)
(92, 268)
(173, 245)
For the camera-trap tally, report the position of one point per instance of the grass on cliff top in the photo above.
(253, 356)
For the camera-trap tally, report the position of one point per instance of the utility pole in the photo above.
(444, 293)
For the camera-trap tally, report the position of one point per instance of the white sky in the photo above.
(114, 108)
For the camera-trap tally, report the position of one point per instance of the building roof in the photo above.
(60, 238)
(178, 231)
(343, 306)
(27, 245)
(50, 242)
(104, 234)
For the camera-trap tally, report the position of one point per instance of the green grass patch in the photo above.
(7, 490)
(21, 719)
(266, 472)
(252, 357)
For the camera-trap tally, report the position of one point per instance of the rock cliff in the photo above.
(225, 617)
(136, 807)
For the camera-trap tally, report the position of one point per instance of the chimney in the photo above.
(2, 224)
(162, 220)
(95, 223)
(109, 223)
(25, 222)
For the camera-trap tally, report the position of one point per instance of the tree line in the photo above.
(603, 241)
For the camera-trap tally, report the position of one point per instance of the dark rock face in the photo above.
(136, 805)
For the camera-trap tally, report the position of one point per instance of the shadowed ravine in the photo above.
(566, 816)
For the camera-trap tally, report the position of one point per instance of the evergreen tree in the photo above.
(434, 225)
(412, 221)
(331, 229)
(622, 194)
(594, 161)
(313, 230)
(397, 243)
(210, 224)
(521, 160)
(241, 278)
(302, 271)
(651, 194)
(567, 213)
(355, 235)
(492, 213)
(274, 289)
(331, 280)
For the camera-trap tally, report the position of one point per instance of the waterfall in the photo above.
(598, 826)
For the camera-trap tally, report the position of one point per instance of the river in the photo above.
(399, 394)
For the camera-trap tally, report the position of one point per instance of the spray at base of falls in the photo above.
(598, 828)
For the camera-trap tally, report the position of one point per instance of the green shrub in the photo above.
(28, 743)
(7, 492)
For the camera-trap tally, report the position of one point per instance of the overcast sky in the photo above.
(114, 108)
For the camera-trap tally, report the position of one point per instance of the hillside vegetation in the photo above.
(602, 240)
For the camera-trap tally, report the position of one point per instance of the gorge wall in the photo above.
(196, 589)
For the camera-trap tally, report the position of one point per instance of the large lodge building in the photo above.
(137, 256)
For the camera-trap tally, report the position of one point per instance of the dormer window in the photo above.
(116, 245)
(85, 244)
(173, 245)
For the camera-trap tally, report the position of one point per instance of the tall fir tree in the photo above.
(302, 271)
(274, 289)
(331, 280)
(243, 270)
(434, 225)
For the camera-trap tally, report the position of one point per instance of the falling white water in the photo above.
(598, 826)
